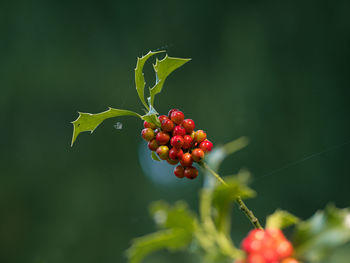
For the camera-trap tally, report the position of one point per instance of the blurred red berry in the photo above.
(179, 130)
(177, 141)
(189, 125)
(153, 145)
(149, 125)
(284, 249)
(147, 134)
(177, 117)
(179, 171)
(256, 258)
(200, 136)
(162, 138)
(167, 125)
(187, 142)
(254, 241)
(275, 233)
(290, 260)
(197, 155)
(171, 111)
(163, 152)
(175, 154)
(269, 245)
(206, 146)
(191, 172)
(186, 160)
(162, 118)
(270, 255)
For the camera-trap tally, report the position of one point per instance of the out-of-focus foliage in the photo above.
(177, 226)
(317, 238)
(209, 235)
(281, 219)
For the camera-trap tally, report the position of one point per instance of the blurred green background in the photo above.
(276, 71)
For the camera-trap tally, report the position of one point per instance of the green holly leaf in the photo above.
(139, 76)
(89, 122)
(316, 238)
(281, 219)
(155, 157)
(163, 69)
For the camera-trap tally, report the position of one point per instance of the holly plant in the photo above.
(174, 139)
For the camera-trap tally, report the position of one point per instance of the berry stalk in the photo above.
(252, 218)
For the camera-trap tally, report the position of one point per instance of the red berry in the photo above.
(162, 118)
(177, 141)
(172, 162)
(179, 130)
(175, 154)
(275, 233)
(206, 146)
(162, 138)
(187, 142)
(179, 171)
(290, 260)
(270, 255)
(177, 117)
(191, 172)
(254, 241)
(186, 160)
(257, 234)
(167, 125)
(153, 145)
(256, 258)
(149, 125)
(200, 136)
(148, 134)
(189, 125)
(163, 152)
(197, 154)
(171, 111)
(192, 134)
(284, 249)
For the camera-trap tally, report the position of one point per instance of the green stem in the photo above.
(252, 218)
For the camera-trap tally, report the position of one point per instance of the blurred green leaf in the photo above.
(224, 196)
(178, 225)
(176, 216)
(155, 157)
(235, 188)
(316, 238)
(139, 76)
(89, 121)
(163, 69)
(172, 239)
(216, 243)
(281, 219)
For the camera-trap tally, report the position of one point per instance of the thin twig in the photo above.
(252, 218)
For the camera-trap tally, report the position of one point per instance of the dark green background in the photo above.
(276, 71)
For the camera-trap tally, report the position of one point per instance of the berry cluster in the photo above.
(267, 246)
(177, 141)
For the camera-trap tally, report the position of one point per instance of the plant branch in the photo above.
(252, 218)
